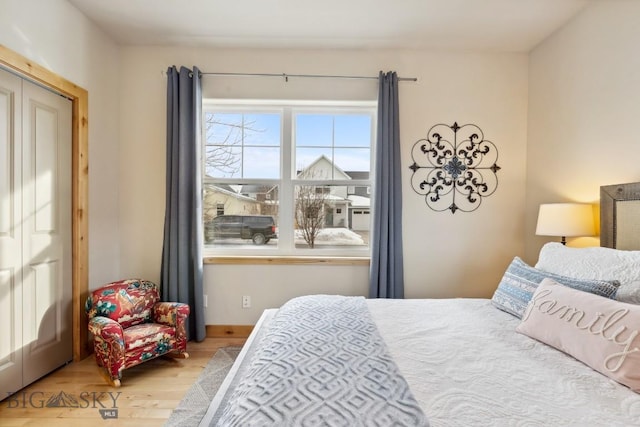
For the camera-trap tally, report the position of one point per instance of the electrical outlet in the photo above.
(246, 301)
(206, 300)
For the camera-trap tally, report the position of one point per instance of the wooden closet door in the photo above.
(10, 234)
(46, 230)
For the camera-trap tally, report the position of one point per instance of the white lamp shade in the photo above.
(565, 219)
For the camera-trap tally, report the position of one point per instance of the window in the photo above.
(300, 168)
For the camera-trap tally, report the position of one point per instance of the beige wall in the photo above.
(576, 95)
(55, 35)
(584, 87)
(446, 255)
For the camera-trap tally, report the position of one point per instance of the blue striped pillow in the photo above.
(521, 280)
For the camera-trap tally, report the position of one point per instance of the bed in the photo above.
(557, 345)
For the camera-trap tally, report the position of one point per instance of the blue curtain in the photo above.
(387, 271)
(181, 275)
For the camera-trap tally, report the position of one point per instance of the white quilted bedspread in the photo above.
(467, 367)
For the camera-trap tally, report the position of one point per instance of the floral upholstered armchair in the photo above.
(130, 326)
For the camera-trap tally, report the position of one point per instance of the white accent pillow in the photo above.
(597, 331)
(595, 263)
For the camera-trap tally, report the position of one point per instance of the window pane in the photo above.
(262, 129)
(314, 130)
(240, 216)
(329, 217)
(355, 162)
(232, 141)
(314, 163)
(347, 138)
(223, 129)
(223, 161)
(352, 130)
(261, 162)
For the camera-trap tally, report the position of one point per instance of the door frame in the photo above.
(79, 184)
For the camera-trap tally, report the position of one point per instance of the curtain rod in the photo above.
(286, 76)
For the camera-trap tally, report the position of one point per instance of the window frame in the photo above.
(288, 181)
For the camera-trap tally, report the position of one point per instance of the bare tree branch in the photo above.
(310, 208)
(223, 140)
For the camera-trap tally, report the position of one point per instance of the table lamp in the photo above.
(565, 220)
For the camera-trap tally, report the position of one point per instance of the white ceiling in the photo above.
(478, 25)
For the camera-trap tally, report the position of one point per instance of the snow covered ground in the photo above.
(328, 237)
(332, 236)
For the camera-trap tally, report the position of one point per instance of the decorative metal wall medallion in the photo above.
(454, 167)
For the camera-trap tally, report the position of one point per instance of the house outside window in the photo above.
(293, 172)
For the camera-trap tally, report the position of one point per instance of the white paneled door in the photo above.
(35, 232)
(10, 233)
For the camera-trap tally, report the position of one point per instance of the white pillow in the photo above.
(595, 263)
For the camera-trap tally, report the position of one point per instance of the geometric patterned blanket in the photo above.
(322, 362)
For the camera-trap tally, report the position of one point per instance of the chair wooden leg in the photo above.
(175, 355)
(112, 382)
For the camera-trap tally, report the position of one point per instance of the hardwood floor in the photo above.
(149, 392)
